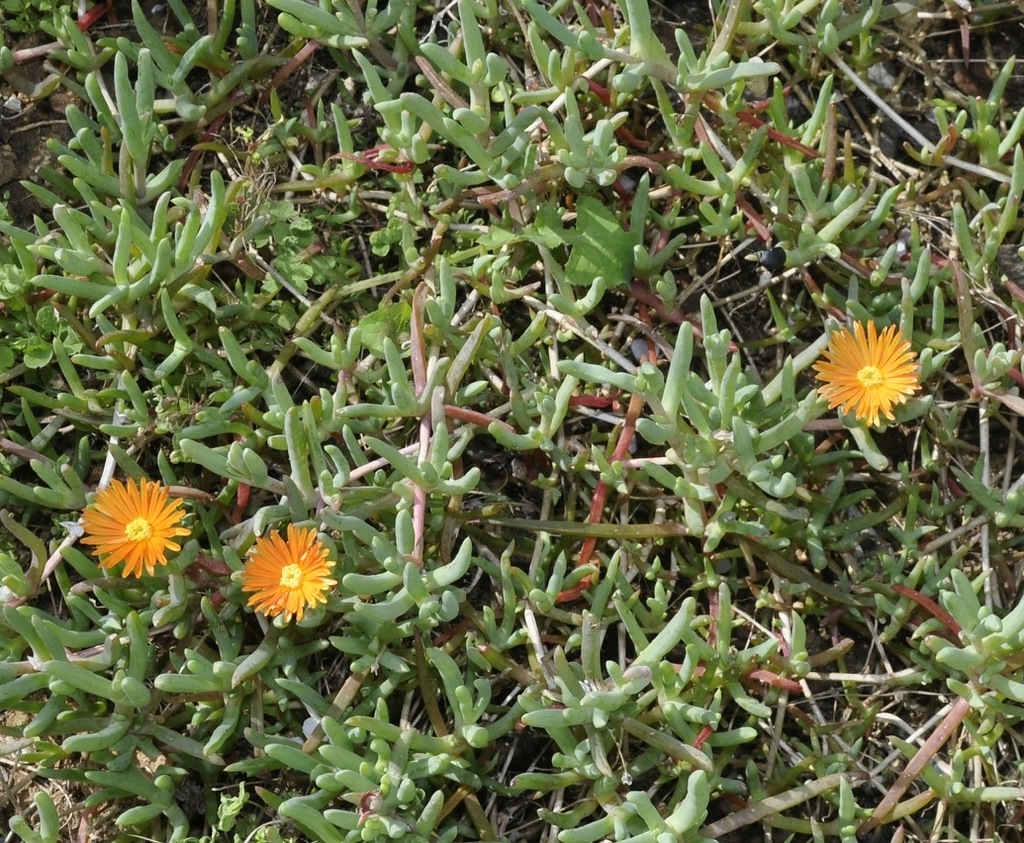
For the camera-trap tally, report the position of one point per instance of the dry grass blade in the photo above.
(943, 732)
(772, 805)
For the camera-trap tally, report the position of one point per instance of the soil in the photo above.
(27, 126)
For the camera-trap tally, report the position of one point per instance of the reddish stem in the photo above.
(599, 401)
(293, 64)
(370, 159)
(90, 16)
(943, 732)
(754, 219)
(464, 414)
(600, 497)
(760, 674)
(934, 609)
(776, 135)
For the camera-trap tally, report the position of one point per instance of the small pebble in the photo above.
(12, 107)
(880, 77)
(639, 349)
(903, 243)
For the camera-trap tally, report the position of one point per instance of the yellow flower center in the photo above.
(870, 376)
(138, 530)
(291, 576)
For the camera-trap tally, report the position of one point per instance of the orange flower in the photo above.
(134, 523)
(867, 372)
(287, 577)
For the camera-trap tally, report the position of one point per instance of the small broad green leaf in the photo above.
(600, 246)
(38, 353)
(230, 807)
(387, 321)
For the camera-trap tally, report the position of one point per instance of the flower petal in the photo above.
(267, 560)
(892, 377)
(107, 518)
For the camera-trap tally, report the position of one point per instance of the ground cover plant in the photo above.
(512, 421)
